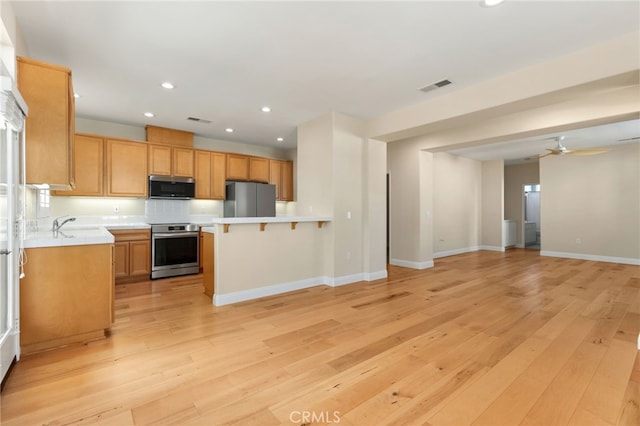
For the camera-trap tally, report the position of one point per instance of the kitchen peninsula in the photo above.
(251, 257)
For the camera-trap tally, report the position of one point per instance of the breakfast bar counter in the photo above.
(248, 258)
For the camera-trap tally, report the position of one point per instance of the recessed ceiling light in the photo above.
(228, 130)
(167, 85)
(265, 109)
(490, 3)
(280, 139)
(149, 114)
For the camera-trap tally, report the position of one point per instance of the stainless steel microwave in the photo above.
(171, 188)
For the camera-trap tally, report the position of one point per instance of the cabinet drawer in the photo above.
(131, 234)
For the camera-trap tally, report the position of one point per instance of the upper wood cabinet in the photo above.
(237, 167)
(245, 167)
(126, 168)
(170, 161)
(88, 166)
(210, 174)
(48, 92)
(281, 175)
(258, 169)
(286, 180)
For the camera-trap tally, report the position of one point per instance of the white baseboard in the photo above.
(594, 257)
(347, 279)
(454, 252)
(272, 290)
(491, 248)
(372, 276)
(410, 264)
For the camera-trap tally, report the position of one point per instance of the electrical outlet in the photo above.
(348, 215)
(348, 255)
(578, 241)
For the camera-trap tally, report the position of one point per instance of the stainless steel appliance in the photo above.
(170, 187)
(174, 250)
(250, 199)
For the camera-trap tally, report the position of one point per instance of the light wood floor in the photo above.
(482, 338)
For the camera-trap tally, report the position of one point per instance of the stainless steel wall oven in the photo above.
(174, 250)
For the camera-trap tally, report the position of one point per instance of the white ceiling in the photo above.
(529, 149)
(303, 59)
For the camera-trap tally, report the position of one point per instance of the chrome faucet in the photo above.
(56, 225)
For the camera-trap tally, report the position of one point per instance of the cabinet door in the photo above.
(62, 301)
(88, 165)
(139, 257)
(182, 162)
(218, 176)
(207, 264)
(237, 167)
(49, 136)
(121, 259)
(274, 176)
(126, 168)
(159, 160)
(203, 174)
(286, 181)
(258, 169)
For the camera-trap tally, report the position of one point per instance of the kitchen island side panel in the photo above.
(247, 259)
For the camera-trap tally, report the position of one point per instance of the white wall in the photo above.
(492, 204)
(596, 86)
(374, 220)
(341, 174)
(405, 193)
(456, 203)
(250, 263)
(590, 205)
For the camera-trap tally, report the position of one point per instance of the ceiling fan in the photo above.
(562, 150)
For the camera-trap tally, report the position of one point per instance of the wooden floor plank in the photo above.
(486, 337)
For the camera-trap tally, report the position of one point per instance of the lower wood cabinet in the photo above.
(132, 256)
(67, 296)
(206, 254)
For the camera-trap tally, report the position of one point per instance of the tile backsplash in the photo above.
(166, 211)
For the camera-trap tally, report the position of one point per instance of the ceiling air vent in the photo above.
(199, 120)
(436, 85)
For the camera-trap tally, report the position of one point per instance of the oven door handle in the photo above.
(174, 234)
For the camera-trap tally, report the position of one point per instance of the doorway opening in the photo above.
(531, 216)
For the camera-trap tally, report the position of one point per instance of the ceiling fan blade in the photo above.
(545, 155)
(588, 151)
(553, 151)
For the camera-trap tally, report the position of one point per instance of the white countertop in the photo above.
(256, 220)
(69, 236)
(276, 219)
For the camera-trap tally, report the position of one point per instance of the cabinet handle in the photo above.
(5, 251)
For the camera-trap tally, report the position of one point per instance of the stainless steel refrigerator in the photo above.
(250, 199)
